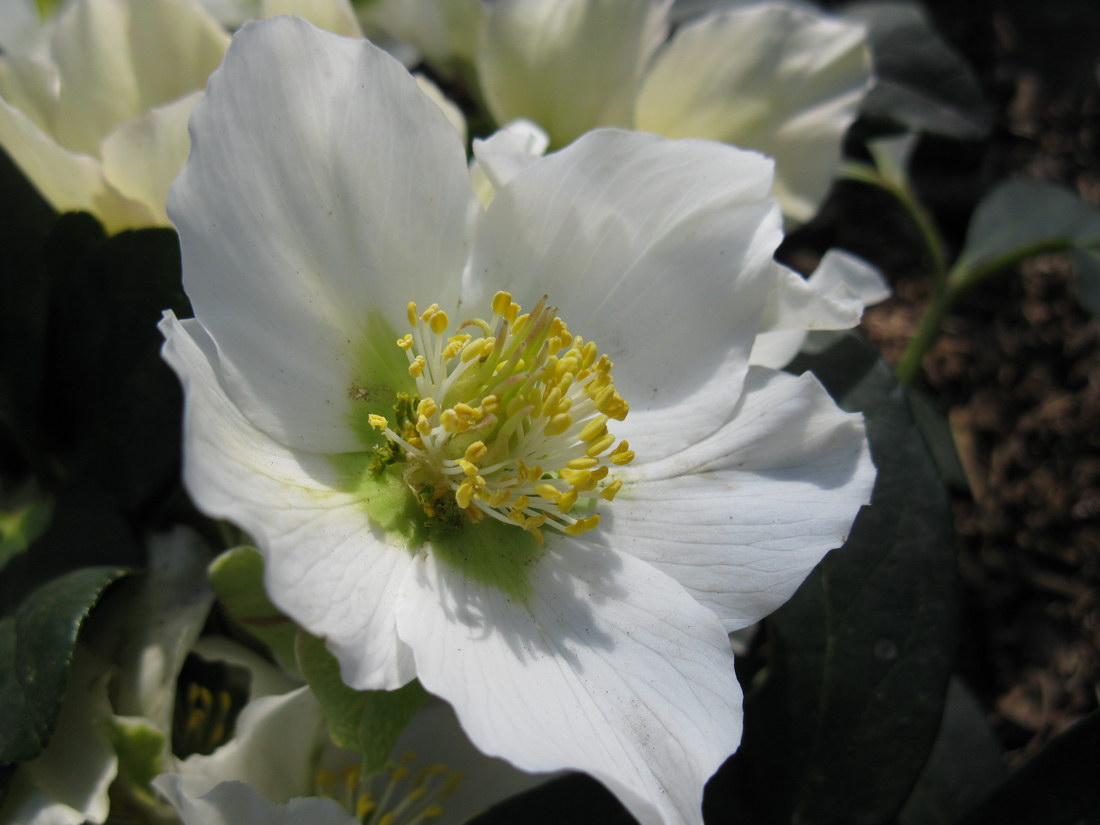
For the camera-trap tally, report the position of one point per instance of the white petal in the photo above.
(453, 113)
(67, 784)
(264, 678)
(69, 181)
(119, 58)
(326, 565)
(833, 297)
(436, 736)
(273, 748)
(845, 278)
(156, 627)
(568, 65)
(142, 157)
(660, 251)
(21, 29)
(605, 666)
(773, 77)
(442, 32)
(502, 155)
(324, 191)
(336, 16)
(202, 801)
(741, 518)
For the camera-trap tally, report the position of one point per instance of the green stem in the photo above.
(963, 277)
(928, 330)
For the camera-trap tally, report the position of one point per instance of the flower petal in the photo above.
(833, 297)
(774, 77)
(568, 65)
(324, 191)
(606, 666)
(119, 58)
(203, 801)
(741, 518)
(142, 157)
(273, 749)
(502, 155)
(442, 32)
(660, 251)
(70, 182)
(436, 736)
(327, 566)
(336, 16)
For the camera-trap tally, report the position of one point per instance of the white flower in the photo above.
(96, 117)
(417, 536)
(773, 76)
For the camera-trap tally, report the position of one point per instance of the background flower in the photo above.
(779, 78)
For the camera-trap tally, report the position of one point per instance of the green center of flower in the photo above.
(510, 419)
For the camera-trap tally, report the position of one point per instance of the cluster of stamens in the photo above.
(395, 796)
(510, 419)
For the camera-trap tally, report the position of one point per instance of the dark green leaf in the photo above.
(841, 727)
(1087, 264)
(965, 764)
(86, 531)
(936, 430)
(1020, 218)
(36, 649)
(112, 406)
(368, 721)
(921, 82)
(572, 799)
(1057, 787)
(25, 220)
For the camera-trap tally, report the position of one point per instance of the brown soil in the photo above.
(1017, 373)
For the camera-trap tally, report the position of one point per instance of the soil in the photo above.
(1016, 371)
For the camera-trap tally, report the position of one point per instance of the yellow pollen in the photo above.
(600, 444)
(427, 407)
(508, 423)
(438, 322)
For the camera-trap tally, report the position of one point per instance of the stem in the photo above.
(928, 330)
(962, 278)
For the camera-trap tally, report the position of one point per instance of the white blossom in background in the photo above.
(96, 114)
(776, 77)
(563, 573)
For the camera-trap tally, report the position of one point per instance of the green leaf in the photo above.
(115, 406)
(140, 748)
(86, 531)
(36, 649)
(1019, 219)
(369, 721)
(1057, 787)
(20, 527)
(26, 219)
(237, 576)
(1087, 264)
(841, 725)
(920, 81)
(965, 764)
